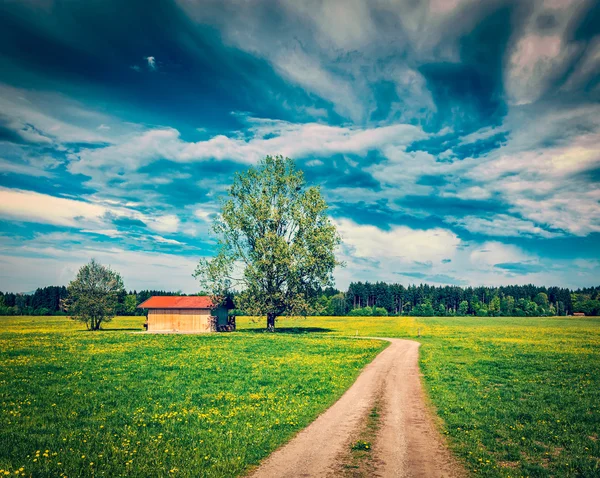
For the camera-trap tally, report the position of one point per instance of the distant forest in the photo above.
(371, 299)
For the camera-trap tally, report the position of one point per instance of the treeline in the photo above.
(44, 301)
(370, 299)
(380, 298)
(51, 301)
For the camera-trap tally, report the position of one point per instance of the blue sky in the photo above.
(456, 141)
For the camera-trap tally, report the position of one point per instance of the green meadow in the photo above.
(113, 403)
(515, 396)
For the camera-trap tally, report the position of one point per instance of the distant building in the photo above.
(186, 314)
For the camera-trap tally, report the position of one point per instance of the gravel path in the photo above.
(407, 443)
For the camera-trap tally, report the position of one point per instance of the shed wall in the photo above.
(222, 315)
(179, 320)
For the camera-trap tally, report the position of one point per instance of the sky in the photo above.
(456, 141)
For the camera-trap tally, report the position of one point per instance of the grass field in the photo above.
(113, 403)
(517, 396)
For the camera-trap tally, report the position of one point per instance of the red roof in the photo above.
(177, 302)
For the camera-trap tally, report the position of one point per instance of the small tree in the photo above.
(94, 295)
(275, 242)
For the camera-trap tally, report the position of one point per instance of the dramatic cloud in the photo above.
(456, 141)
(262, 137)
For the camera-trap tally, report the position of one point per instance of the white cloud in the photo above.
(491, 253)
(541, 57)
(46, 118)
(27, 267)
(295, 65)
(167, 223)
(204, 214)
(587, 68)
(22, 168)
(164, 240)
(576, 212)
(400, 243)
(500, 225)
(151, 62)
(444, 6)
(96, 217)
(104, 232)
(482, 134)
(533, 59)
(471, 192)
(41, 208)
(543, 185)
(408, 256)
(338, 49)
(401, 171)
(299, 140)
(264, 136)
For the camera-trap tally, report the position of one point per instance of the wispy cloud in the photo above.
(453, 140)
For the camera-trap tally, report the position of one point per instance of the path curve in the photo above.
(407, 444)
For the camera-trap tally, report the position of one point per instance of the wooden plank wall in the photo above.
(179, 320)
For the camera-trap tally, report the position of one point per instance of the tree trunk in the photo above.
(271, 322)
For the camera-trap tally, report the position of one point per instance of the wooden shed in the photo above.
(186, 314)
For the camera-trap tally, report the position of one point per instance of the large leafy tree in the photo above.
(275, 242)
(94, 295)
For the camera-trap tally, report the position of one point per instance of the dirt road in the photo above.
(406, 442)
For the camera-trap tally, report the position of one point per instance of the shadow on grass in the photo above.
(109, 329)
(289, 330)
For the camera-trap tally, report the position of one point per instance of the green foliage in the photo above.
(507, 306)
(428, 301)
(94, 295)
(361, 312)
(494, 307)
(338, 305)
(379, 312)
(369, 312)
(361, 445)
(424, 310)
(130, 304)
(588, 303)
(44, 301)
(395, 298)
(275, 242)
